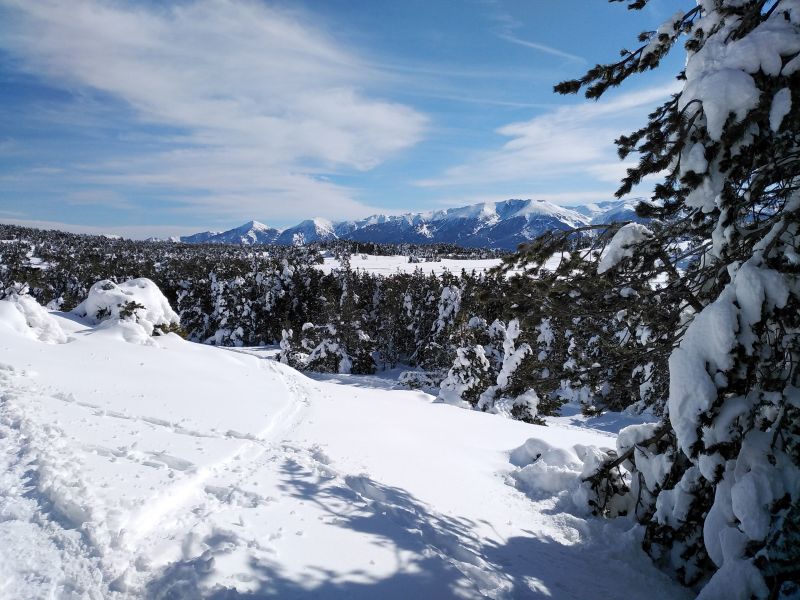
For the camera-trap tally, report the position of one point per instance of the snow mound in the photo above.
(544, 469)
(621, 245)
(137, 300)
(125, 331)
(27, 317)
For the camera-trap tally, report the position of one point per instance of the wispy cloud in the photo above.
(542, 48)
(99, 197)
(264, 103)
(505, 25)
(570, 141)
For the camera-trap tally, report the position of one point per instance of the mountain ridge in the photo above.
(504, 224)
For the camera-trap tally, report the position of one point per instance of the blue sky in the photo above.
(157, 118)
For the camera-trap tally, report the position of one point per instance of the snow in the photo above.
(621, 245)
(544, 468)
(720, 92)
(107, 300)
(180, 470)
(24, 315)
(389, 265)
(694, 159)
(719, 75)
(705, 352)
(668, 29)
(781, 105)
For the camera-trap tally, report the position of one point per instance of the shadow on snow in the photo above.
(438, 556)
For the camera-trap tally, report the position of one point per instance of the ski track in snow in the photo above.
(42, 483)
(35, 523)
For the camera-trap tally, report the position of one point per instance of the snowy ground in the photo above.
(175, 470)
(387, 265)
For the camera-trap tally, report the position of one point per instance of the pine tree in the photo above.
(470, 376)
(718, 481)
(513, 394)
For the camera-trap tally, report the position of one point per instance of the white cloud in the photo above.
(573, 141)
(239, 79)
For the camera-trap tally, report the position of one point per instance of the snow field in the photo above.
(389, 265)
(176, 470)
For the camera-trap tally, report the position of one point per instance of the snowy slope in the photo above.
(177, 470)
(503, 224)
(311, 230)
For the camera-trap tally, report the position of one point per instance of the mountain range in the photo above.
(503, 224)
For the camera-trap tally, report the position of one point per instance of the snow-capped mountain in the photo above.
(203, 237)
(503, 224)
(610, 211)
(248, 234)
(311, 230)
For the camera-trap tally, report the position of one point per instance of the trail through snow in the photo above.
(174, 470)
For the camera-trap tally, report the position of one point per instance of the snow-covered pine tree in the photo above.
(394, 338)
(469, 376)
(472, 371)
(722, 472)
(290, 354)
(432, 304)
(513, 393)
(350, 316)
(604, 341)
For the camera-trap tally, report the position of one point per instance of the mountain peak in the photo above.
(255, 225)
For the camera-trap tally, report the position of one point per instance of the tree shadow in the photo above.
(447, 557)
(610, 422)
(361, 381)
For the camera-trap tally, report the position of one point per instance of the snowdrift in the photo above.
(23, 315)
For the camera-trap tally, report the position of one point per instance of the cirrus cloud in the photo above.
(569, 142)
(254, 105)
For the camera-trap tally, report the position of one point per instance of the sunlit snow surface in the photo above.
(389, 265)
(177, 470)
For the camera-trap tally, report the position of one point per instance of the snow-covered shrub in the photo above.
(322, 349)
(544, 469)
(434, 320)
(23, 314)
(137, 300)
(605, 485)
